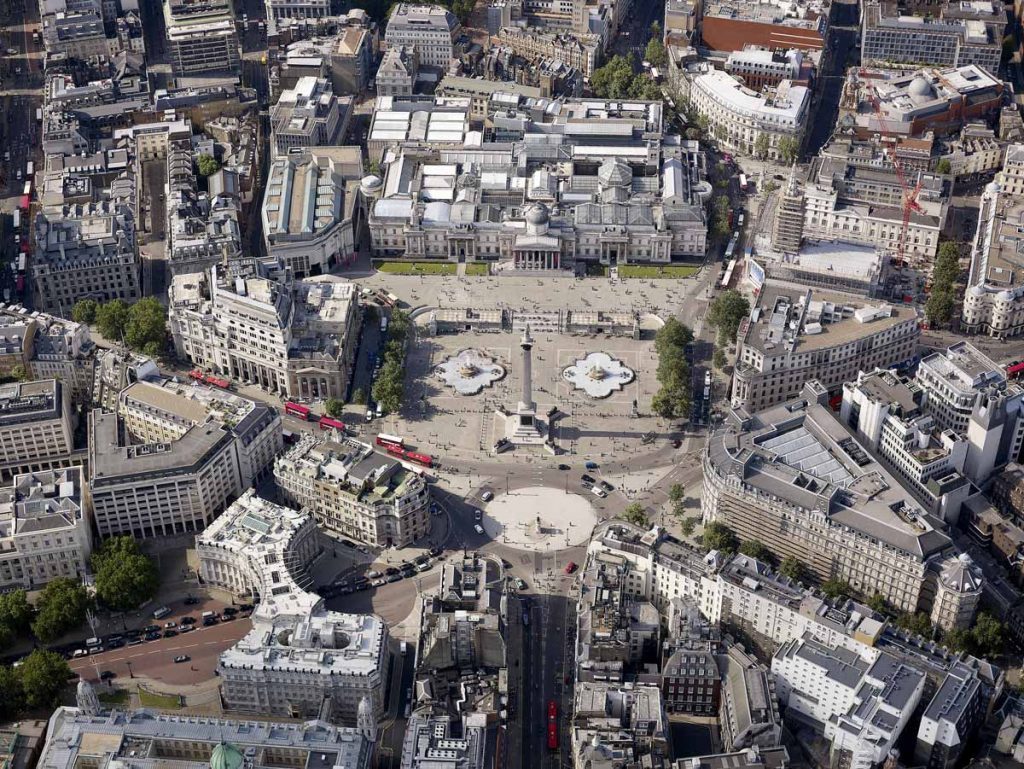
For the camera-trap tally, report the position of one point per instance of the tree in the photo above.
(692, 133)
(207, 165)
(334, 407)
(671, 403)
(687, 525)
(636, 514)
(720, 217)
(656, 28)
(878, 603)
(463, 9)
(959, 640)
(946, 270)
(940, 305)
(757, 549)
(988, 635)
(359, 397)
(15, 612)
(61, 607)
(837, 588)
(655, 52)
(718, 359)
(84, 311)
(918, 624)
(761, 145)
(943, 166)
(1009, 46)
(112, 320)
(726, 313)
(703, 122)
(125, 577)
(146, 325)
(793, 568)
(789, 149)
(677, 492)
(674, 335)
(614, 79)
(718, 536)
(20, 373)
(43, 674)
(12, 697)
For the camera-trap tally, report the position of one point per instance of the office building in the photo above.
(298, 9)
(48, 347)
(77, 31)
(795, 335)
(788, 225)
(815, 681)
(769, 123)
(993, 303)
(433, 29)
(462, 740)
(309, 207)
(297, 339)
(310, 114)
(355, 491)
(794, 478)
(970, 394)
(396, 75)
(749, 715)
(76, 736)
(960, 33)
(612, 626)
(763, 68)
(581, 52)
(951, 720)
(201, 36)
(900, 103)
(958, 587)
(37, 426)
(729, 26)
(610, 719)
(752, 758)
(45, 532)
(975, 151)
(173, 456)
(86, 251)
(203, 229)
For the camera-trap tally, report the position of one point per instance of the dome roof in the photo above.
(920, 86)
(372, 182)
(537, 214)
(977, 290)
(992, 188)
(614, 173)
(1004, 296)
(226, 756)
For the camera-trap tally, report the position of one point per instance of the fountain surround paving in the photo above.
(598, 375)
(469, 371)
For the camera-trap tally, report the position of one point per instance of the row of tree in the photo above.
(945, 273)
(124, 579)
(674, 396)
(618, 79)
(142, 325)
(36, 684)
(389, 387)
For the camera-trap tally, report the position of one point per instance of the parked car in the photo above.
(188, 620)
(134, 641)
(182, 658)
(597, 491)
(115, 644)
(588, 478)
(591, 465)
(520, 584)
(151, 628)
(570, 567)
(170, 633)
(564, 467)
(152, 636)
(434, 552)
(478, 515)
(171, 624)
(478, 528)
(487, 496)
(209, 622)
(187, 628)
(394, 578)
(229, 611)
(373, 574)
(191, 601)
(607, 486)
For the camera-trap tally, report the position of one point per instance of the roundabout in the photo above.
(539, 519)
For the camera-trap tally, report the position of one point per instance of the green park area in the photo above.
(657, 271)
(416, 268)
(162, 701)
(478, 269)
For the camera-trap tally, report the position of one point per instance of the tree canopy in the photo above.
(755, 548)
(334, 407)
(673, 399)
(207, 165)
(15, 616)
(112, 319)
(125, 577)
(146, 328)
(726, 313)
(655, 53)
(636, 514)
(837, 588)
(43, 674)
(718, 536)
(84, 311)
(793, 568)
(61, 607)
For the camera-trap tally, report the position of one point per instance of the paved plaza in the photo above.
(539, 519)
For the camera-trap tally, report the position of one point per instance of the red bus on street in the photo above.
(297, 410)
(386, 440)
(552, 725)
(327, 423)
(411, 456)
(1015, 371)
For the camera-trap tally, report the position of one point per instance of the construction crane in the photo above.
(909, 200)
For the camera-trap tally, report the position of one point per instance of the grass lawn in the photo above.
(657, 271)
(114, 697)
(163, 701)
(416, 268)
(478, 268)
(597, 270)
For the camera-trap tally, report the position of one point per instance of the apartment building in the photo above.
(970, 394)
(309, 207)
(37, 426)
(86, 251)
(960, 33)
(297, 339)
(310, 114)
(795, 335)
(815, 681)
(433, 29)
(260, 550)
(1011, 176)
(743, 119)
(48, 347)
(82, 734)
(579, 51)
(45, 531)
(950, 720)
(794, 478)
(201, 36)
(749, 715)
(354, 491)
(173, 456)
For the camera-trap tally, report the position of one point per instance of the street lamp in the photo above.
(129, 664)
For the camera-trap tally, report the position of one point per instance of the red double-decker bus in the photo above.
(552, 725)
(328, 423)
(412, 456)
(297, 410)
(386, 440)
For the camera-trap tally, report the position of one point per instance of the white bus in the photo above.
(743, 182)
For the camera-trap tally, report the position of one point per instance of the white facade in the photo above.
(431, 28)
(298, 9)
(739, 117)
(355, 491)
(36, 423)
(815, 681)
(308, 115)
(45, 530)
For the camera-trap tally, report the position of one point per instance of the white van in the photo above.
(162, 612)
(380, 411)
(369, 415)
